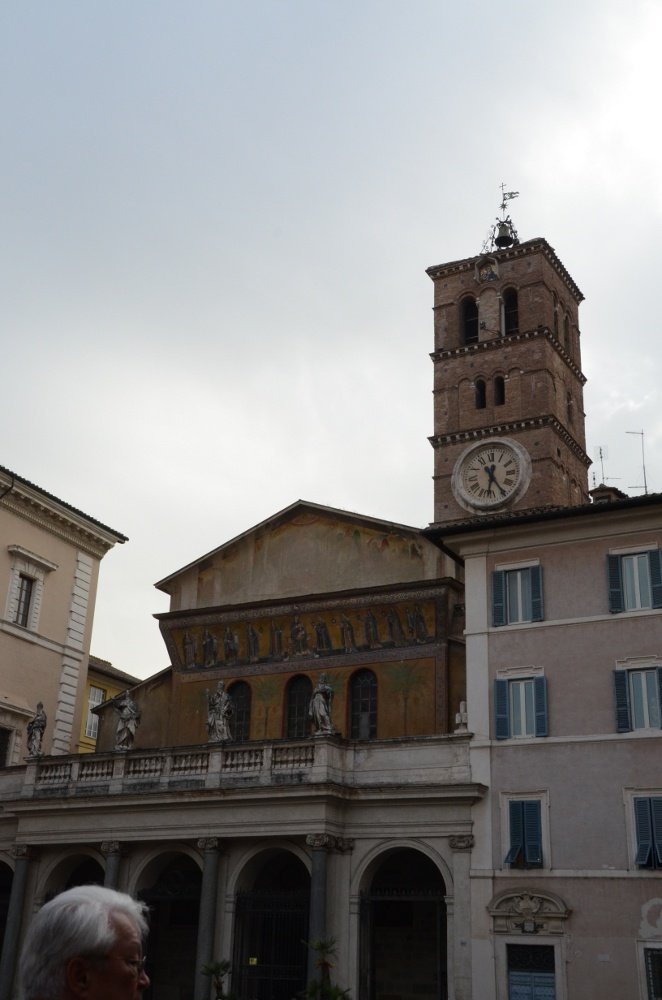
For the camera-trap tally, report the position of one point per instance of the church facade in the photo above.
(436, 747)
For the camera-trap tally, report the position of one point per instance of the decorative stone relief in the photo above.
(650, 928)
(462, 842)
(208, 844)
(532, 912)
(110, 847)
(327, 842)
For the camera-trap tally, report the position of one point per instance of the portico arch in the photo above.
(170, 884)
(272, 901)
(402, 936)
(76, 868)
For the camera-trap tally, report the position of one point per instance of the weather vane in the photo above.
(503, 233)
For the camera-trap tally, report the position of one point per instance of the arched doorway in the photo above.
(6, 879)
(72, 871)
(403, 930)
(271, 926)
(173, 898)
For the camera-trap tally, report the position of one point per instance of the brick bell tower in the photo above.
(508, 387)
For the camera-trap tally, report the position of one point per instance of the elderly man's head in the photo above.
(86, 944)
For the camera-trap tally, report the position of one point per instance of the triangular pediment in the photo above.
(304, 549)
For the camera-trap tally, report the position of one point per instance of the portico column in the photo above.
(112, 853)
(14, 915)
(461, 846)
(320, 844)
(207, 917)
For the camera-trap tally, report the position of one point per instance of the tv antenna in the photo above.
(643, 462)
(602, 455)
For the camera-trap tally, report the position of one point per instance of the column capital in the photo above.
(461, 842)
(208, 844)
(110, 847)
(320, 841)
(327, 842)
(22, 852)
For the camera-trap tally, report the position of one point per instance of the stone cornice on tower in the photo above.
(537, 245)
(512, 338)
(512, 427)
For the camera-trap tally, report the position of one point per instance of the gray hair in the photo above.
(77, 922)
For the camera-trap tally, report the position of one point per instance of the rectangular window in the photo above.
(525, 834)
(5, 740)
(96, 697)
(520, 707)
(635, 581)
(25, 589)
(648, 832)
(638, 696)
(517, 595)
(653, 963)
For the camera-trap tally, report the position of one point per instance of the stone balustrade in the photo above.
(411, 761)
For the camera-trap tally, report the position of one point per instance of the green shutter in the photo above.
(498, 597)
(644, 831)
(532, 833)
(516, 832)
(540, 703)
(655, 564)
(623, 724)
(656, 812)
(536, 593)
(501, 710)
(616, 603)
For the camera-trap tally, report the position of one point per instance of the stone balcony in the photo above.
(412, 762)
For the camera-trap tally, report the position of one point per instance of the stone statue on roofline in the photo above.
(220, 709)
(319, 709)
(36, 728)
(127, 723)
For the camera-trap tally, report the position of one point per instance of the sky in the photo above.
(216, 220)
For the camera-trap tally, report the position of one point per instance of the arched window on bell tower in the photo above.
(566, 333)
(469, 321)
(481, 396)
(499, 390)
(556, 316)
(510, 312)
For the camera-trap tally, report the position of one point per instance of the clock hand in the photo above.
(491, 479)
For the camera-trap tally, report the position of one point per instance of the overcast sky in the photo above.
(216, 219)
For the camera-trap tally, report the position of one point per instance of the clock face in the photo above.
(491, 474)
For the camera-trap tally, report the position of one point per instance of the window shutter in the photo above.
(655, 563)
(659, 691)
(532, 833)
(499, 597)
(540, 702)
(536, 593)
(656, 811)
(501, 713)
(642, 817)
(516, 832)
(615, 584)
(622, 694)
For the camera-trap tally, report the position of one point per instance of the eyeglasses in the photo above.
(137, 964)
